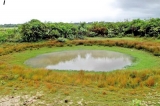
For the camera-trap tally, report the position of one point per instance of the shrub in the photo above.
(32, 31)
(61, 40)
(92, 34)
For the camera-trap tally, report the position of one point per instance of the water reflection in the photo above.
(90, 60)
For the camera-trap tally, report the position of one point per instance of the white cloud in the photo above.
(20, 11)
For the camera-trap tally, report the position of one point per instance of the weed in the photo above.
(136, 102)
(150, 82)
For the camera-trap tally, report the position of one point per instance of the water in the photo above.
(90, 60)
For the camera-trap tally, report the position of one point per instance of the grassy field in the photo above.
(136, 85)
(141, 63)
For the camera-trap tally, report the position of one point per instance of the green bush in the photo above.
(32, 31)
(35, 30)
(61, 40)
(9, 34)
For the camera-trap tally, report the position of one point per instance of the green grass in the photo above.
(143, 39)
(144, 60)
(102, 38)
(55, 93)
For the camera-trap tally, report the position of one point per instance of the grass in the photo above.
(141, 62)
(146, 39)
(139, 82)
(56, 94)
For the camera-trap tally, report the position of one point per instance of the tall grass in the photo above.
(118, 79)
(151, 47)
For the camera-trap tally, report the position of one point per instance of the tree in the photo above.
(99, 28)
(32, 31)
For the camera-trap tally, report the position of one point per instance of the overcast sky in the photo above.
(21, 11)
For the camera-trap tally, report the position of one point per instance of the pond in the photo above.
(89, 60)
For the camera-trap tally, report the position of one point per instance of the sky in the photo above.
(21, 11)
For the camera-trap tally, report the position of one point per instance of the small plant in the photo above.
(136, 102)
(61, 40)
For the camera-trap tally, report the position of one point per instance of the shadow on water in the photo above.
(90, 60)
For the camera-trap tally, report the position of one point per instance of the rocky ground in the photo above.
(28, 100)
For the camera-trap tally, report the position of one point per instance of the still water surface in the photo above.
(90, 60)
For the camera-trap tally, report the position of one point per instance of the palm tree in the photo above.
(4, 2)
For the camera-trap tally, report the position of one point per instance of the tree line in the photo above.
(35, 30)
